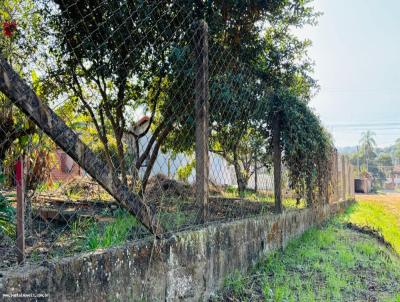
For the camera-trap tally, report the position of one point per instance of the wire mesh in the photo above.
(121, 77)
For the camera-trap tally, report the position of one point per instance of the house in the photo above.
(394, 180)
(65, 168)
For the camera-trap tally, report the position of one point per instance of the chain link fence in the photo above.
(126, 119)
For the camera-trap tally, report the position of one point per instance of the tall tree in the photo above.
(367, 146)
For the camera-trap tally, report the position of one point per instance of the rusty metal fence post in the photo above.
(19, 173)
(202, 105)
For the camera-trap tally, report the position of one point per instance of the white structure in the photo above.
(221, 172)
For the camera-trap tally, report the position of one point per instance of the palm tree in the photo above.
(368, 144)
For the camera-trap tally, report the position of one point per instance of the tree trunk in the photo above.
(150, 165)
(277, 161)
(240, 178)
(132, 153)
(242, 185)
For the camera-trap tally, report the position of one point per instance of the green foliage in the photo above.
(250, 195)
(397, 149)
(112, 234)
(368, 144)
(148, 60)
(384, 159)
(184, 172)
(7, 214)
(375, 217)
(173, 221)
(307, 146)
(329, 264)
(236, 284)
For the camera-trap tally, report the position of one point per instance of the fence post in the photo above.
(255, 174)
(202, 99)
(352, 181)
(329, 185)
(344, 181)
(277, 163)
(19, 175)
(337, 177)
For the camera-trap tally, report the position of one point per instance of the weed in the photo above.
(113, 233)
(330, 264)
(260, 196)
(235, 283)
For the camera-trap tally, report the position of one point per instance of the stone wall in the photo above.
(189, 266)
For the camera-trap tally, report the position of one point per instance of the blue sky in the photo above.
(356, 49)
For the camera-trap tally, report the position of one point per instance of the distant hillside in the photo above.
(347, 150)
(352, 149)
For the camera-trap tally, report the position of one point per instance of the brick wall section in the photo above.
(189, 266)
(65, 168)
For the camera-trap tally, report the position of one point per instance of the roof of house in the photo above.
(142, 120)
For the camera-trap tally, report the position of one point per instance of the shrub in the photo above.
(7, 215)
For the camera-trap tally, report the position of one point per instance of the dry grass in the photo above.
(390, 201)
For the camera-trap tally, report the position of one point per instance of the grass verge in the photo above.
(377, 217)
(334, 263)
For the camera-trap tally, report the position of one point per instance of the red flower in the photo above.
(9, 27)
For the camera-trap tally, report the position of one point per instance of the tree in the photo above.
(382, 167)
(397, 150)
(131, 56)
(285, 69)
(143, 63)
(238, 99)
(304, 143)
(22, 40)
(242, 152)
(368, 146)
(384, 159)
(129, 70)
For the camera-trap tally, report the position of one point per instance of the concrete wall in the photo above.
(189, 266)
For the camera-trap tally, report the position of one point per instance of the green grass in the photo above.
(375, 216)
(173, 221)
(330, 264)
(89, 235)
(112, 234)
(232, 192)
